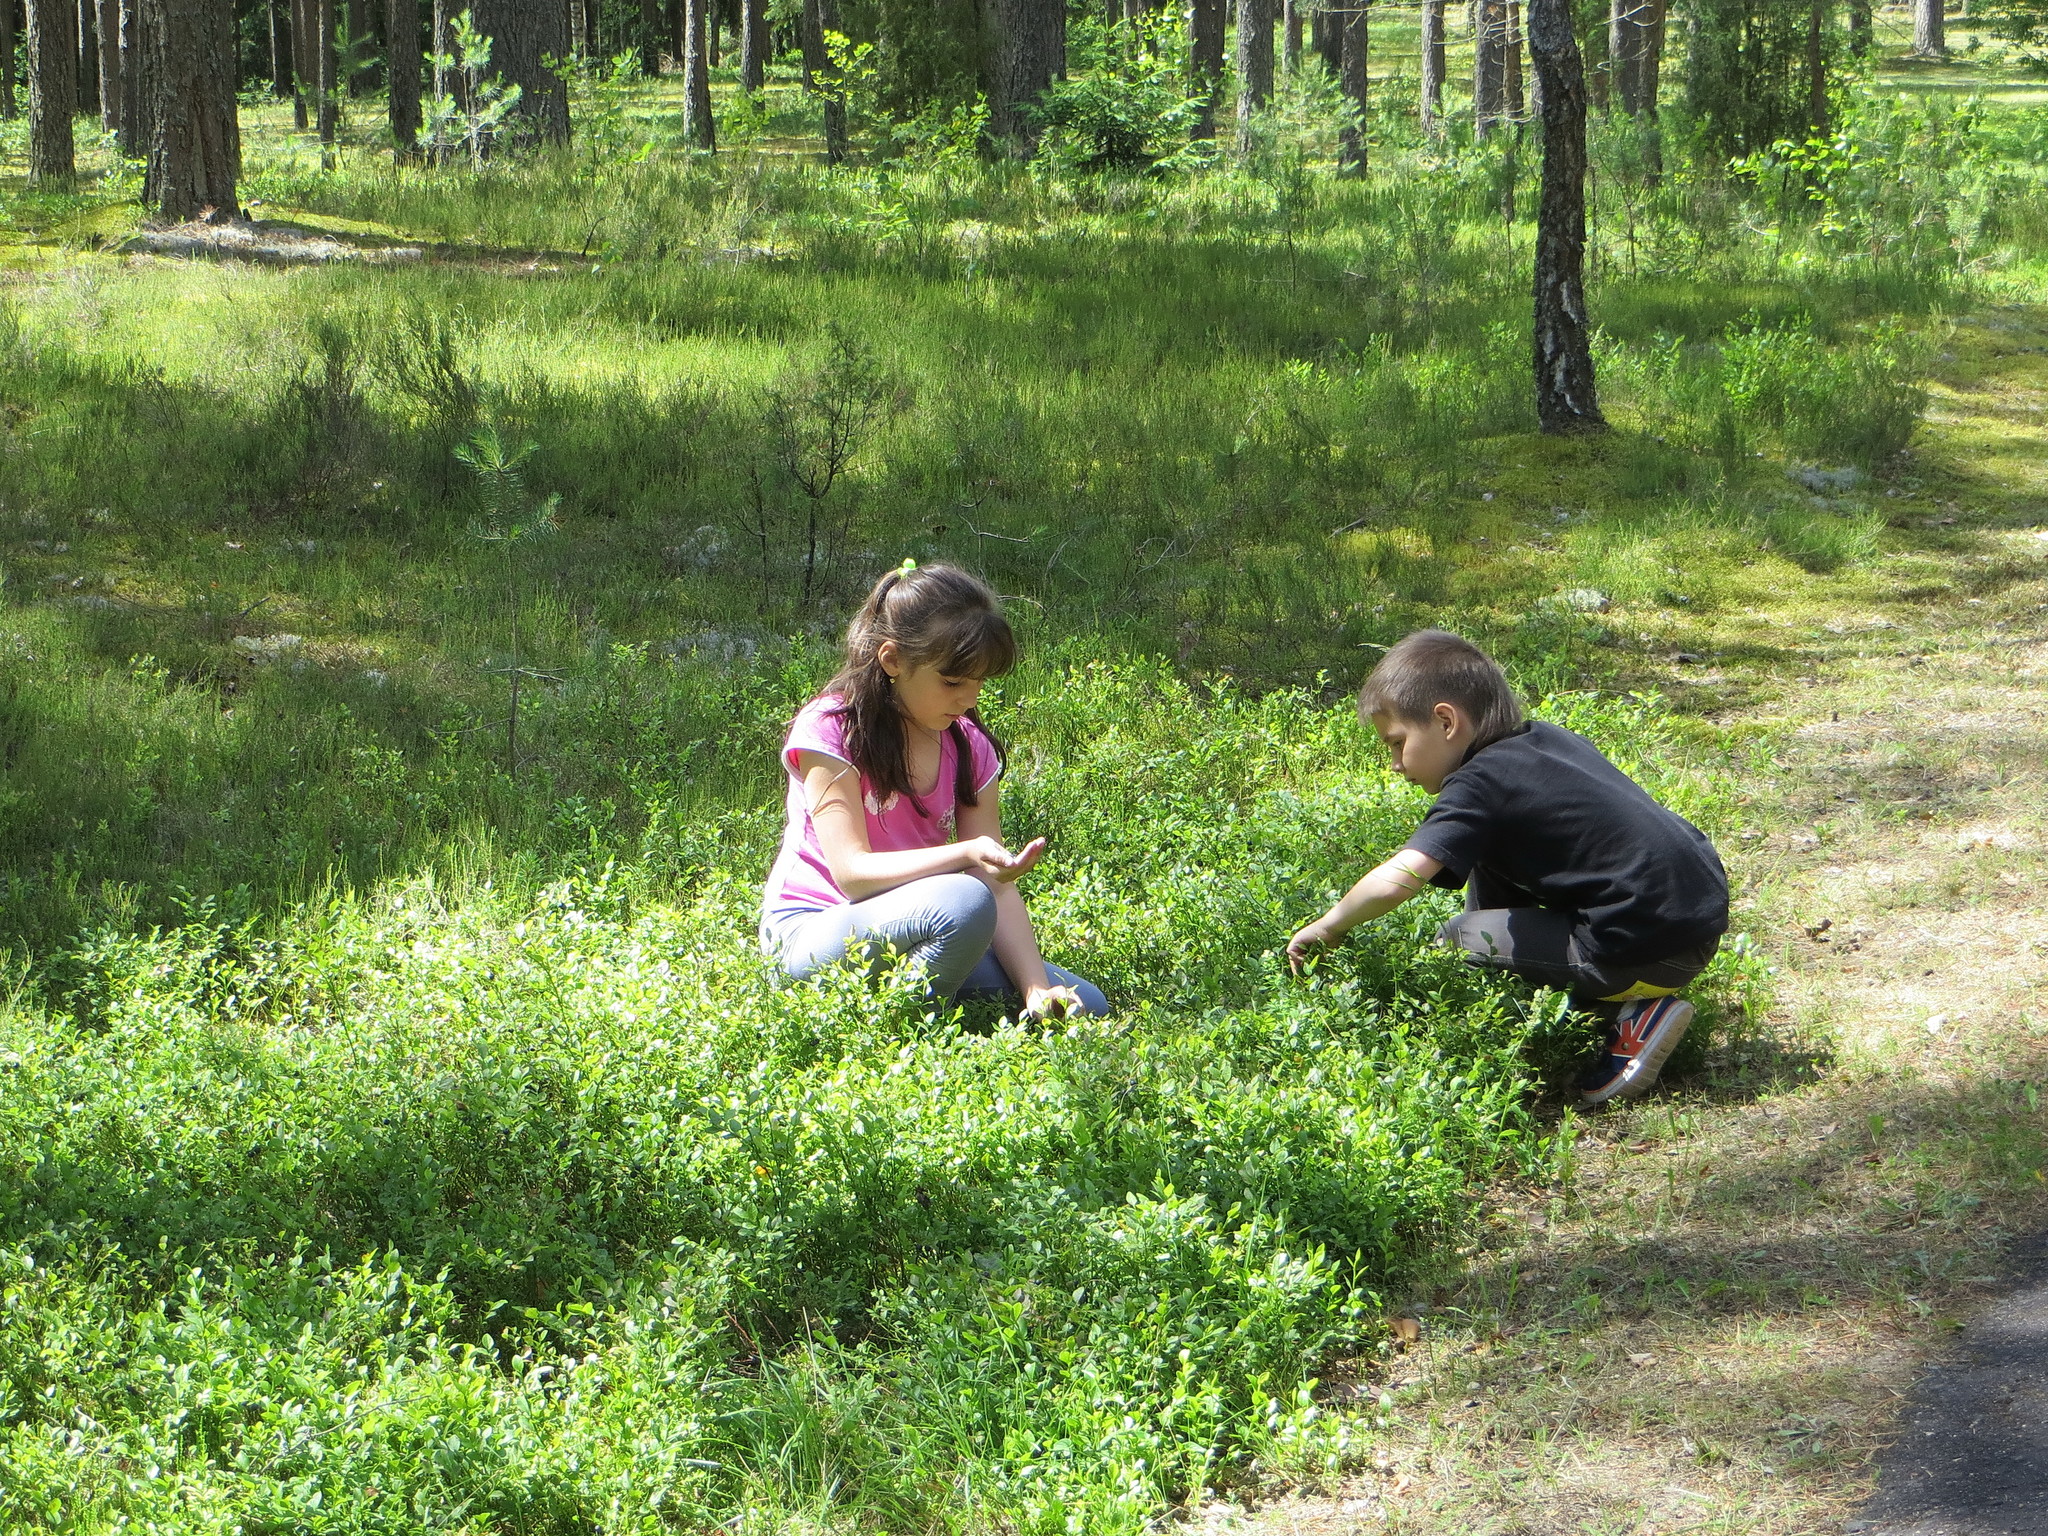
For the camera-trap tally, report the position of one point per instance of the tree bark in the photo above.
(1930, 36)
(402, 75)
(8, 13)
(136, 130)
(1489, 65)
(698, 127)
(753, 44)
(306, 73)
(1511, 62)
(195, 150)
(326, 100)
(523, 34)
(1817, 68)
(108, 30)
(1432, 104)
(355, 18)
(1290, 34)
(1566, 400)
(1353, 20)
(1254, 65)
(282, 75)
(1206, 23)
(52, 89)
(1859, 28)
(1025, 46)
(1326, 37)
(593, 27)
(88, 57)
(650, 38)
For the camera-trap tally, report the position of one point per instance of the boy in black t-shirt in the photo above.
(1574, 877)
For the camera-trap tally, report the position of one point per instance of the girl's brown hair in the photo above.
(939, 616)
(1434, 666)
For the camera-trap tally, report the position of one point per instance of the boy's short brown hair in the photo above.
(1434, 666)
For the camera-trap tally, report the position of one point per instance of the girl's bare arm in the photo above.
(832, 791)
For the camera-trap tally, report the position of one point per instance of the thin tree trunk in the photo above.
(698, 126)
(52, 89)
(1489, 65)
(281, 72)
(8, 12)
(753, 44)
(88, 57)
(1206, 22)
(1025, 47)
(402, 76)
(1352, 81)
(326, 102)
(136, 129)
(524, 34)
(1511, 62)
(1326, 37)
(108, 30)
(1859, 28)
(1290, 34)
(1432, 103)
(1566, 399)
(593, 27)
(1930, 37)
(304, 67)
(650, 38)
(195, 150)
(1817, 68)
(356, 17)
(1254, 65)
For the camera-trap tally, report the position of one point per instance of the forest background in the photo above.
(401, 611)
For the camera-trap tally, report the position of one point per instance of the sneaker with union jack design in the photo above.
(1645, 1035)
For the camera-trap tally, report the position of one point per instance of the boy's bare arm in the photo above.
(1406, 874)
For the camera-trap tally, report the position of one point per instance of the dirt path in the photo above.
(1718, 1331)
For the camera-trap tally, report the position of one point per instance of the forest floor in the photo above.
(1716, 1330)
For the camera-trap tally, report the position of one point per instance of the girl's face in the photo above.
(927, 696)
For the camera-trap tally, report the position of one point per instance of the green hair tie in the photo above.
(905, 568)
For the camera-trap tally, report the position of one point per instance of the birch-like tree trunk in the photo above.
(195, 151)
(1566, 400)
(52, 89)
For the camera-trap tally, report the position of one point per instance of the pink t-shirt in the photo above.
(801, 878)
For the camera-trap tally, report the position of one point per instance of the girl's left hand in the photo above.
(1052, 1003)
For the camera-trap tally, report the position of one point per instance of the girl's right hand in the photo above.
(989, 858)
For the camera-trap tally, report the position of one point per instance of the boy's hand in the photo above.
(1302, 947)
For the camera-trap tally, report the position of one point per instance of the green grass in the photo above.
(399, 1132)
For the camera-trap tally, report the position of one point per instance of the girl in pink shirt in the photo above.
(894, 836)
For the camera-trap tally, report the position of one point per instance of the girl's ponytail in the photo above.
(938, 616)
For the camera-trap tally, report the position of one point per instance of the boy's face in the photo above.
(1425, 751)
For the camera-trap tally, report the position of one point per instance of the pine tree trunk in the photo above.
(1817, 68)
(136, 131)
(1489, 65)
(195, 150)
(650, 38)
(1025, 45)
(88, 57)
(108, 31)
(1930, 37)
(1326, 36)
(52, 89)
(523, 34)
(8, 12)
(304, 68)
(698, 127)
(1290, 34)
(1254, 65)
(1566, 400)
(281, 72)
(1353, 20)
(1859, 28)
(326, 98)
(1511, 62)
(753, 44)
(402, 73)
(593, 27)
(1206, 23)
(356, 26)
(1432, 103)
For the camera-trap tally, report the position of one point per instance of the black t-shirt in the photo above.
(1542, 810)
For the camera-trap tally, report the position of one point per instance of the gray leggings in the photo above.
(1540, 945)
(942, 922)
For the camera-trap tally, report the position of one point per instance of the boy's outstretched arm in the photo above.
(1405, 874)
